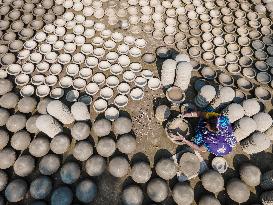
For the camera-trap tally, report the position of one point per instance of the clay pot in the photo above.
(254, 35)
(208, 46)
(51, 80)
(249, 73)
(57, 93)
(66, 82)
(37, 79)
(128, 76)
(137, 94)
(244, 84)
(195, 52)
(14, 69)
(243, 41)
(261, 66)
(98, 78)
(27, 91)
(261, 55)
(228, 19)
(230, 28)
(208, 73)
(140, 81)
(42, 91)
(208, 56)
(230, 38)
(64, 58)
(72, 95)
(243, 31)
(79, 84)
(238, 191)
(22, 79)
(225, 80)
(85, 73)
(121, 101)
(111, 113)
(55, 69)
(245, 61)
(100, 105)
(154, 83)
(265, 30)
(106, 93)
(104, 65)
(234, 68)
(262, 93)
(175, 95)
(51, 39)
(208, 37)
(189, 164)
(247, 51)
(263, 77)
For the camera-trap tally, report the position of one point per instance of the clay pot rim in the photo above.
(175, 102)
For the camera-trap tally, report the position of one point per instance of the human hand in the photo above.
(189, 114)
(177, 137)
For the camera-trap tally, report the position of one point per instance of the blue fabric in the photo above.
(219, 143)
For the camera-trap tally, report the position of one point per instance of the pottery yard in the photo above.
(136, 102)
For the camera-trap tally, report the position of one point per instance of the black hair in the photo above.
(212, 122)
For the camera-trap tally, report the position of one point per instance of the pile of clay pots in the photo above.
(25, 150)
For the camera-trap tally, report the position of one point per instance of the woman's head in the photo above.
(212, 123)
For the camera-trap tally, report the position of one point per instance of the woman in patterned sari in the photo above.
(214, 134)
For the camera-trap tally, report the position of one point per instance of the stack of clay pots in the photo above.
(267, 180)
(251, 107)
(237, 190)
(168, 72)
(250, 174)
(257, 142)
(267, 197)
(213, 181)
(183, 75)
(176, 72)
(234, 112)
(205, 96)
(244, 127)
(263, 121)
(224, 96)
(51, 62)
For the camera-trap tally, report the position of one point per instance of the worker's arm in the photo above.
(189, 143)
(193, 114)
(195, 147)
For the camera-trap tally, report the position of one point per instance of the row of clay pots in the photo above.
(244, 84)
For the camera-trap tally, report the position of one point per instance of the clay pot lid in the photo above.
(178, 125)
(219, 164)
(189, 164)
(175, 95)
